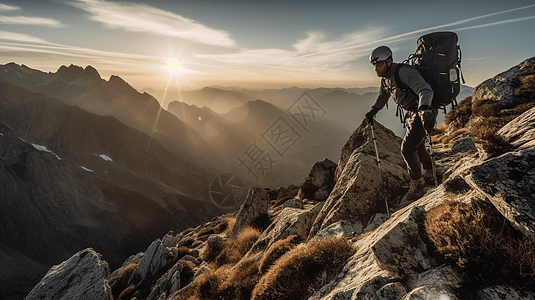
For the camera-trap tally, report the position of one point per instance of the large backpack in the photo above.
(438, 59)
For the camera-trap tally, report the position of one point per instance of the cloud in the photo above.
(19, 20)
(144, 18)
(4, 7)
(20, 37)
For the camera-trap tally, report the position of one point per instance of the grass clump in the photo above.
(481, 241)
(481, 119)
(221, 252)
(304, 268)
(276, 250)
(187, 271)
(225, 226)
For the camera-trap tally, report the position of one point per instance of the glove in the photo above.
(428, 119)
(371, 114)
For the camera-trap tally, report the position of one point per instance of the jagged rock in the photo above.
(520, 132)
(289, 222)
(321, 179)
(344, 227)
(504, 292)
(255, 205)
(360, 188)
(83, 276)
(169, 240)
(509, 182)
(501, 87)
(167, 284)
(156, 259)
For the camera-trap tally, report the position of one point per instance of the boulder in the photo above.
(83, 276)
(520, 132)
(501, 87)
(255, 205)
(509, 183)
(155, 261)
(290, 221)
(321, 179)
(360, 189)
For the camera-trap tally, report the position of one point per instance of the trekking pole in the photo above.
(380, 171)
(432, 154)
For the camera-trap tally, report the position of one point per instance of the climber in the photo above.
(419, 119)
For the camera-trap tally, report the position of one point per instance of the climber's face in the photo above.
(382, 67)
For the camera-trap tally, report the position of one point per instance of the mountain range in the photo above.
(347, 233)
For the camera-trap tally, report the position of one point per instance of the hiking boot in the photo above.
(416, 190)
(430, 178)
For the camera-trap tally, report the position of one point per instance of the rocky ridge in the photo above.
(392, 257)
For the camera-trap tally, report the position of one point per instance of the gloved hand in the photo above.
(428, 119)
(371, 114)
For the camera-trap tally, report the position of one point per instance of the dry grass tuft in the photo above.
(525, 88)
(230, 251)
(187, 242)
(128, 269)
(225, 226)
(243, 279)
(187, 271)
(209, 285)
(479, 239)
(234, 250)
(127, 293)
(276, 250)
(304, 268)
(461, 113)
(487, 118)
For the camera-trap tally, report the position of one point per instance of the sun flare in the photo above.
(173, 66)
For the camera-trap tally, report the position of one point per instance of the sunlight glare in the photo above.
(173, 66)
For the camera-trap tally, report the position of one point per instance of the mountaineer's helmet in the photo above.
(379, 54)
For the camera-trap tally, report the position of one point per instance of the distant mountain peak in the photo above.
(73, 73)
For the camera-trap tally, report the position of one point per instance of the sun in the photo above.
(173, 66)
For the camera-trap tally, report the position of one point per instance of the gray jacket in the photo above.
(423, 93)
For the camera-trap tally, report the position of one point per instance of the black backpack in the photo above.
(438, 59)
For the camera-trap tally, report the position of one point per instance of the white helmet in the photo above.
(380, 53)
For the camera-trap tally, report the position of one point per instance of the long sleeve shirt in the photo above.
(422, 94)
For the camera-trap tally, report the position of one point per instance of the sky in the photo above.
(190, 44)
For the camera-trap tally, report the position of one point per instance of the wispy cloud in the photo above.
(20, 37)
(5, 7)
(144, 18)
(20, 20)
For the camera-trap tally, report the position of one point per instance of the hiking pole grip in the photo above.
(380, 171)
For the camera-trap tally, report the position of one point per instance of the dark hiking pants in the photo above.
(413, 146)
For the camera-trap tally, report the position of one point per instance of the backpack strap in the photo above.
(400, 84)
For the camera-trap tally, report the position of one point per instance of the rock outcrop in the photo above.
(361, 188)
(83, 276)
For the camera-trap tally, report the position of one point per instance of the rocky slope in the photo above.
(332, 239)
